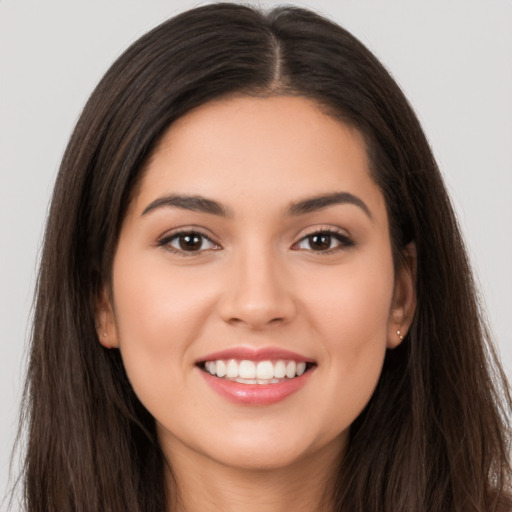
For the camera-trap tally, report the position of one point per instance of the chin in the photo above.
(259, 450)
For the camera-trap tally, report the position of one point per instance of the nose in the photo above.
(258, 292)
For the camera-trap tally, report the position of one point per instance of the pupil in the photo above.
(320, 242)
(190, 242)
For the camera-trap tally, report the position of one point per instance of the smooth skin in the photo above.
(250, 272)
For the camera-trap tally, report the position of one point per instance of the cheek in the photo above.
(353, 301)
(157, 308)
(158, 314)
(349, 312)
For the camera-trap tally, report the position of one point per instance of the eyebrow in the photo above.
(314, 204)
(204, 205)
(194, 203)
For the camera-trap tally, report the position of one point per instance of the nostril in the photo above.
(255, 322)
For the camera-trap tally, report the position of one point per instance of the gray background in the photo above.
(453, 60)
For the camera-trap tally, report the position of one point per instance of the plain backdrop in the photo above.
(452, 58)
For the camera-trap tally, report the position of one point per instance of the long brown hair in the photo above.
(436, 433)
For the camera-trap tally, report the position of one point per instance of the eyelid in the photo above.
(165, 239)
(346, 240)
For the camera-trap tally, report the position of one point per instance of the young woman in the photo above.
(253, 293)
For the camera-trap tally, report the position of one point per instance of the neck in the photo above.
(196, 484)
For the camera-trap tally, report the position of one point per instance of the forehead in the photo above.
(270, 149)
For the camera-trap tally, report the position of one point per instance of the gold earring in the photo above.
(398, 333)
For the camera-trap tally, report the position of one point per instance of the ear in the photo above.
(105, 321)
(404, 298)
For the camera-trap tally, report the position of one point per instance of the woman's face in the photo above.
(256, 248)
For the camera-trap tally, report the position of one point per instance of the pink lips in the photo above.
(253, 354)
(255, 394)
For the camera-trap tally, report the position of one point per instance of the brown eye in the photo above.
(320, 241)
(188, 241)
(324, 241)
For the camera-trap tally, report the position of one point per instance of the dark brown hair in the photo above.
(435, 435)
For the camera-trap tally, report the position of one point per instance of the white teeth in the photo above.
(251, 372)
(221, 368)
(247, 370)
(279, 370)
(246, 381)
(291, 369)
(265, 370)
(232, 369)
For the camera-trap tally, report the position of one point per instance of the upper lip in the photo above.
(255, 354)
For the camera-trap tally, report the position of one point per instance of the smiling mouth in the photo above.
(256, 372)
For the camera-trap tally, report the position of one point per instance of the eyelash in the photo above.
(180, 236)
(343, 240)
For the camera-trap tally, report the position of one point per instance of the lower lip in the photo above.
(255, 394)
